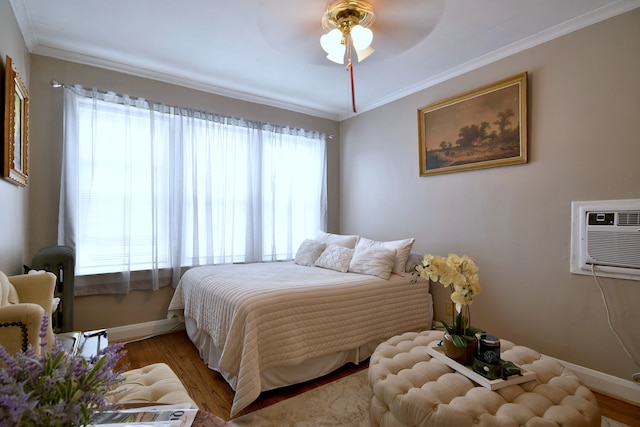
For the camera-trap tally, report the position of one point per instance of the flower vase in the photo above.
(462, 355)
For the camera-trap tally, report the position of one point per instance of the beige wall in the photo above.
(46, 147)
(514, 220)
(13, 199)
(584, 108)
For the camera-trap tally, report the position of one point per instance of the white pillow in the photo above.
(348, 241)
(308, 252)
(335, 257)
(402, 248)
(377, 261)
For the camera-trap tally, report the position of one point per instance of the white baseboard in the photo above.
(599, 381)
(144, 330)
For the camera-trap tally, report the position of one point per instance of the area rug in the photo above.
(344, 402)
(341, 403)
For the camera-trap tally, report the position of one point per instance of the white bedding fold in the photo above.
(280, 314)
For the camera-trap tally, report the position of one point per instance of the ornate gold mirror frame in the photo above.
(16, 127)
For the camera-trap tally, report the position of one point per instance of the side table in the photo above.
(86, 344)
(410, 388)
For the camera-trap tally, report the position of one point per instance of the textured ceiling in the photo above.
(269, 52)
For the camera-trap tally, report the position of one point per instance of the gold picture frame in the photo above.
(483, 128)
(16, 127)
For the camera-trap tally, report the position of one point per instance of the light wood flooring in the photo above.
(212, 394)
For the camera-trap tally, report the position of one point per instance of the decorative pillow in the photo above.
(376, 261)
(402, 248)
(308, 252)
(348, 241)
(335, 257)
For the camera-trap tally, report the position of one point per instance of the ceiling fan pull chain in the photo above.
(353, 91)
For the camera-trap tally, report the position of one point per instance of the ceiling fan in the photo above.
(348, 22)
(390, 27)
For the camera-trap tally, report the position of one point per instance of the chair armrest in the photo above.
(20, 326)
(35, 288)
(38, 289)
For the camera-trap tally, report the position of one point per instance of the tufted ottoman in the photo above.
(412, 389)
(156, 383)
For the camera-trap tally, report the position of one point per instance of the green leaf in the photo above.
(459, 340)
(472, 331)
(444, 325)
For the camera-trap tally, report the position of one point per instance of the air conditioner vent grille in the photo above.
(617, 249)
(629, 218)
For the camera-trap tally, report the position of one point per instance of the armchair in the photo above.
(24, 300)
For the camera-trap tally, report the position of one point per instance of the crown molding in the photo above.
(24, 23)
(191, 83)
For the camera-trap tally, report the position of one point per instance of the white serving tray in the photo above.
(438, 352)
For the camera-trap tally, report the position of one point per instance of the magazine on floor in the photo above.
(152, 416)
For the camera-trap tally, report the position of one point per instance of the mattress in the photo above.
(257, 318)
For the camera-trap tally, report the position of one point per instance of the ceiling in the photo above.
(268, 51)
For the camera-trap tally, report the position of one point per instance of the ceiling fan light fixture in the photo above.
(348, 24)
(349, 21)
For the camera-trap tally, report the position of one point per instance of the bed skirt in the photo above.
(278, 377)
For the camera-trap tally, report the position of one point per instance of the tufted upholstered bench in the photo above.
(156, 383)
(412, 389)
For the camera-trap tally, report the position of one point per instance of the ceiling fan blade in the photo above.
(293, 29)
(402, 24)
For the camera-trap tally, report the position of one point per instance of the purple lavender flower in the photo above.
(56, 388)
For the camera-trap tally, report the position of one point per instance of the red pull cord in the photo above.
(353, 91)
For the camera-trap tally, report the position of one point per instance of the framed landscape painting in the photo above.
(480, 129)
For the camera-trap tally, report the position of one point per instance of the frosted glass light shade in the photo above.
(362, 37)
(338, 55)
(332, 44)
(364, 53)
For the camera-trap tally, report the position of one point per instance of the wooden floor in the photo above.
(206, 387)
(212, 394)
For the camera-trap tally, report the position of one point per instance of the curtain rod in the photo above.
(57, 84)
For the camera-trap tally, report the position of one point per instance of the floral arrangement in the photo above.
(56, 388)
(460, 273)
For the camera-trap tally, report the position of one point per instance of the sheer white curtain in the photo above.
(149, 189)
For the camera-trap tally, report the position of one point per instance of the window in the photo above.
(148, 187)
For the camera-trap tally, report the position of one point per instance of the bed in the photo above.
(269, 325)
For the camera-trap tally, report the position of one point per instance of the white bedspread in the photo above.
(280, 314)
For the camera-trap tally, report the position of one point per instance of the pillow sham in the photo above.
(402, 248)
(308, 252)
(335, 257)
(376, 261)
(348, 241)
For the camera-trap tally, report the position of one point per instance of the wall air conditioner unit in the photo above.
(606, 236)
